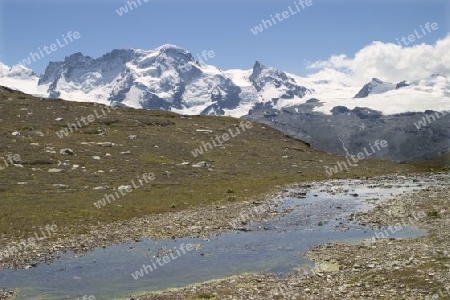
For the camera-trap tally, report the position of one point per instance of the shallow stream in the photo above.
(320, 215)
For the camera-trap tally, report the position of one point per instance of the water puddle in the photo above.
(320, 213)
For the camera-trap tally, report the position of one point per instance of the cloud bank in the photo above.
(386, 61)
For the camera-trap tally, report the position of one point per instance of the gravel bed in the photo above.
(384, 268)
(379, 269)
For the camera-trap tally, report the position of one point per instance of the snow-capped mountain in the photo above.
(166, 78)
(4, 70)
(430, 93)
(324, 112)
(21, 78)
(376, 86)
(413, 117)
(436, 83)
(170, 78)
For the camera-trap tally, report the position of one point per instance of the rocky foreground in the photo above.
(384, 268)
(370, 269)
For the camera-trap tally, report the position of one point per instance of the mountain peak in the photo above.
(4, 69)
(258, 65)
(376, 80)
(375, 86)
(434, 75)
(169, 48)
(22, 72)
(75, 58)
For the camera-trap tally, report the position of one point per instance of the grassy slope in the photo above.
(250, 164)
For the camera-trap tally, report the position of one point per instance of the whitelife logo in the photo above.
(360, 156)
(165, 260)
(243, 125)
(30, 243)
(412, 37)
(123, 190)
(205, 54)
(9, 161)
(124, 9)
(86, 121)
(280, 17)
(53, 47)
(428, 119)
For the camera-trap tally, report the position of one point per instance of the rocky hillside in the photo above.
(411, 136)
(53, 174)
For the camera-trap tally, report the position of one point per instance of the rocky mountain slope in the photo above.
(410, 136)
(45, 170)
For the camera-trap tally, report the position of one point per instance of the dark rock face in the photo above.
(349, 131)
(401, 84)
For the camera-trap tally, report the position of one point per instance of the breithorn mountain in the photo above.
(170, 78)
(166, 78)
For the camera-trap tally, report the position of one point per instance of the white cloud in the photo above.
(386, 61)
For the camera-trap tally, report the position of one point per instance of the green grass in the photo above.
(154, 158)
(433, 214)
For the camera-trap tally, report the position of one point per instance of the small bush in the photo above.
(232, 198)
(433, 214)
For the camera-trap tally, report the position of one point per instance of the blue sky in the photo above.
(317, 32)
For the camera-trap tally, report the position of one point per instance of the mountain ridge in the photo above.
(171, 78)
(328, 114)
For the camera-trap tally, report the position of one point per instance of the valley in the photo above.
(57, 180)
(224, 150)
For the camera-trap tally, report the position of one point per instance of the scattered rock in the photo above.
(105, 144)
(202, 164)
(60, 186)
(124, 187)
(99, 188)
(66, 151)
